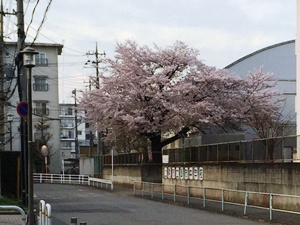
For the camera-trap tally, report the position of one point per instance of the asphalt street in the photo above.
(95, 206)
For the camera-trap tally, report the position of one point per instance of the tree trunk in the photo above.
(156, 149)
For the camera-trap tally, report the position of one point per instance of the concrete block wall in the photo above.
(281, 178)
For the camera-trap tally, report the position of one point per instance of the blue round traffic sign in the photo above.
(22, 109)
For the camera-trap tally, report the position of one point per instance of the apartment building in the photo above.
(74, 133)
(45, 100)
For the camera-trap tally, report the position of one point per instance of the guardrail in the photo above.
(45, 214)
(71, 179)
(60, 178)
(96, 181)
(269, 201)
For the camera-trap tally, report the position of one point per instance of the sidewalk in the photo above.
(7, 219)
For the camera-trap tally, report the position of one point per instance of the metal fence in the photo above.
(202, 196)
(126, 158)
(71, 179)
(279, 149)
(60, 178)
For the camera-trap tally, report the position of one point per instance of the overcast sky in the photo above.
(223, 30)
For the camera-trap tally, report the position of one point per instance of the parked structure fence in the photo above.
(278, 149)
(202, 195)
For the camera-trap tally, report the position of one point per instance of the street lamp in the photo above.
(10, 118)
(45, 153)
(29, 62)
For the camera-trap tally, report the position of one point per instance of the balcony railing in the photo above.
(41, 112)
(41, 62)
(40, 87)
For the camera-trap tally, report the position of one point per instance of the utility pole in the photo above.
(22, 89)
(100, 146)
(2, 96)
(76, 125)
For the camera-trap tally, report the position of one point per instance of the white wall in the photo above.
(297, 100)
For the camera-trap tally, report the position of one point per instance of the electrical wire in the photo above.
(44, 18)
(32, 15)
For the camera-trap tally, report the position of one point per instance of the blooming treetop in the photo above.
(151, 92)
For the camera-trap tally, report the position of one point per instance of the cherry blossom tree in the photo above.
(163, 93)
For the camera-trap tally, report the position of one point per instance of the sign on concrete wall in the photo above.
(165, 158)
(187, 173)
(181, 173)
(201, 173)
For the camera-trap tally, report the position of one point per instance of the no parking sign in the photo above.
(22, 109)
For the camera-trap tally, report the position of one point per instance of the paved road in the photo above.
(96, 207)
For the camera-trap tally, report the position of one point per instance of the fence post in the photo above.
(246, 203)
(152, 189)
(204, 197)
(48, 214)
(42, 212)
(162, 191)
(188, 195)
(74, 221)
(222, 200)
(41, 178)
(174, 192)
(271, 206)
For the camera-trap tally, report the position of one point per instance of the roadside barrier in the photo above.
(96, 181)
(268, 201)
(45, 215)
(16, 208)
(72, 179)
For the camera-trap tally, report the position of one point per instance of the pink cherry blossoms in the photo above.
(153, 92)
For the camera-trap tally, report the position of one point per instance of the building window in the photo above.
(41, 109)
(41, 60)
(67, 123)
(69, 112)
(40, 84)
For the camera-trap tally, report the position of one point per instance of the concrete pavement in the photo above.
(9, 219)
(258, 215)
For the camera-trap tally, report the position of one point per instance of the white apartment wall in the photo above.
(51, 96)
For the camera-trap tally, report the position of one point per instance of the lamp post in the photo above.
(10, 118)
(45, 153)
(29, 63)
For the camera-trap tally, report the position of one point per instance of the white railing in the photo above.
(60, 178)
(71, 179)
(235, 197)
(45, 214)
(97, 182)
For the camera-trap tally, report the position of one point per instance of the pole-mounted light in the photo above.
(28, 57)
